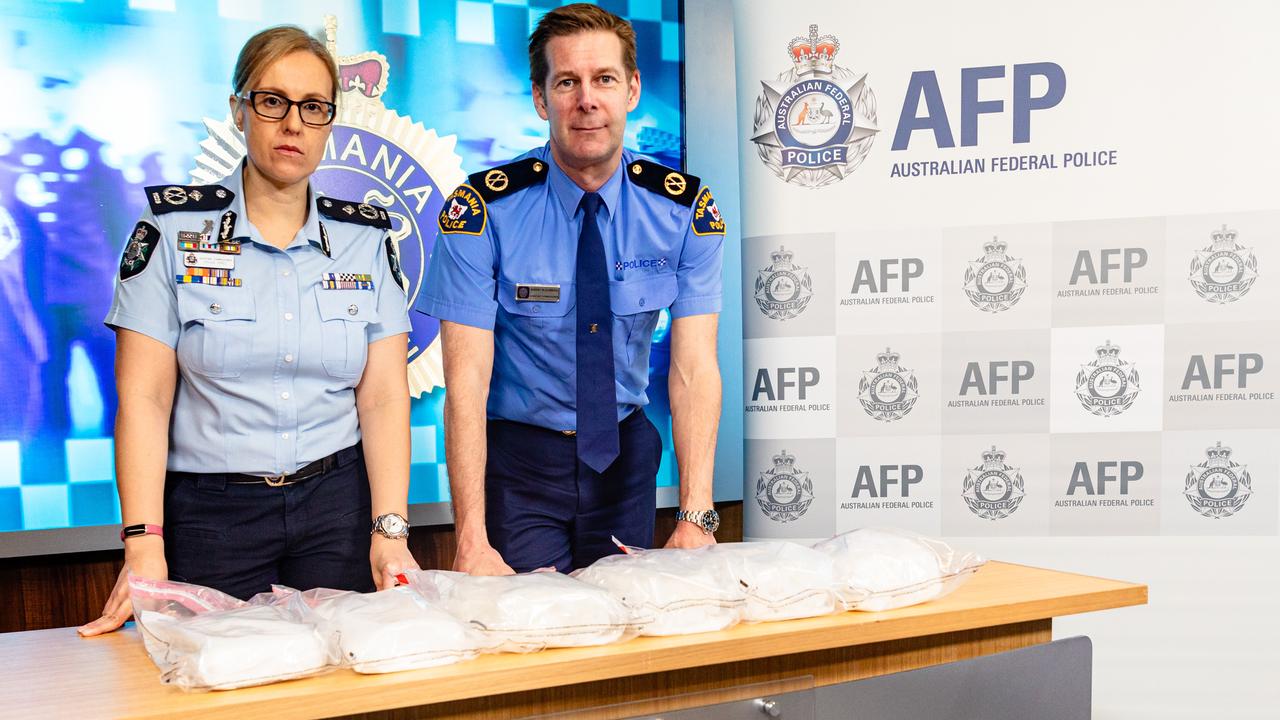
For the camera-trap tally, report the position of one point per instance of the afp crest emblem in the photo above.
(888, 391)
(995, 281)
(1218, 487)
(994, 489)
(386, 162)
(784, 289)
(815, 123)
(784, 492)
(1223, 271)
(1107, 386)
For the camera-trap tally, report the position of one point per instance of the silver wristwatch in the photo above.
(393, 526)
(708, 520)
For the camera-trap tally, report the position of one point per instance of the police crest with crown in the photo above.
(994, 489)
(815, 123)
(1218, 487)
(784, 492)
(995, 281)
(888, 391)
(783, 289)
(1223, 271)
(1108, 385)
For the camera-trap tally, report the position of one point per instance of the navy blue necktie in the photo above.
(597, 400)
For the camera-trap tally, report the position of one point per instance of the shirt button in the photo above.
(288, 316)
(353, 309)
(537, 308)
(284, 436)
(285, 273)
(641, 302)
(215, 308)
(288, 358)
(284, 396)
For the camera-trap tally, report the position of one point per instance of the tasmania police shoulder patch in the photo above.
(464, 212)
(137, 253)
(707, 219)
(671, 184)
(354, 212)
(174, 198)
(506, 179)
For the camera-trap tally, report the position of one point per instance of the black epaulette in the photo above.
(354, 212)
(672, 184)
(506, 179)
(186, 198)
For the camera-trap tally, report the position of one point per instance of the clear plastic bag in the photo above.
(883, 568)
(390, 630)
(674, 592)
(782, 580)
(531, 611)
(202, 639)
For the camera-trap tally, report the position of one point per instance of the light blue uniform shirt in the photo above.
(489, 269)
(266, 370)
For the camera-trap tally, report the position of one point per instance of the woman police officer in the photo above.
(261, 333)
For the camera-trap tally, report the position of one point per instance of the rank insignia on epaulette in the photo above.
(142, 244)
(707, 219)
(171, 198)
(464, 213)
(506, 179)
(354, 212)
(227, 226)
(679, 187)
(393, 260)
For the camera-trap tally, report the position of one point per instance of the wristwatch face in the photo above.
(710, 520)
(392, 524)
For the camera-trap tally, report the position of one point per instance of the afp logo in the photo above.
(815, 123)
(1219, 487)
(783, 289)
(1108, 385)
(1224, 270)
(888, 391)
(995, 281)
(994, 489)
(784, 492)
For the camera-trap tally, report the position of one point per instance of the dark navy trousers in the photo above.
(545, 508)
(241, 539)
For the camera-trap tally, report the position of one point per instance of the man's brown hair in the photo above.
(574, 19)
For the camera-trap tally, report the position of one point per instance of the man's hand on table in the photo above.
(143, 556)
(480, 559)
(688, 536)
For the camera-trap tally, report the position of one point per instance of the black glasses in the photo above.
(274, 106)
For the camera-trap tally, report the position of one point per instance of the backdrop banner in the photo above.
(1010, 276)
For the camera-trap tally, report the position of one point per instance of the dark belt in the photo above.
(306, 472)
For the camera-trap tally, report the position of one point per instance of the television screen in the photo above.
(103, 98)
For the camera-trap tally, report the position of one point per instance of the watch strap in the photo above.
(141, 529)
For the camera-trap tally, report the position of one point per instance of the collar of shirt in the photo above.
(570, 194)
(308, 234)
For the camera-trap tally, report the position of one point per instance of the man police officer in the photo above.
(548, 277)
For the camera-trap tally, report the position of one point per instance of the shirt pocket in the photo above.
(217, 329)
(344, 320)
(636, 303)
(535, 314)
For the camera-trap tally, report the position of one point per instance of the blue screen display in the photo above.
(102, 98)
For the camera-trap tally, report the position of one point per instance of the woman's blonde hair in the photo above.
(268, 46)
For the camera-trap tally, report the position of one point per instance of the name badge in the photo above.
(528, 292)
(215, 261)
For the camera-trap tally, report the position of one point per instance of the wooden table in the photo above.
(55, 673)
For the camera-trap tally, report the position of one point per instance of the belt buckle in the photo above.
(276, 480)
(569, 433)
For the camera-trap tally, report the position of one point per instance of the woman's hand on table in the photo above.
(388, 558)
(143, 556)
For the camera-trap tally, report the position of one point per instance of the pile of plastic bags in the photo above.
(202, 639)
